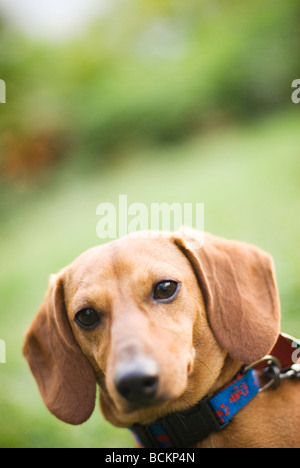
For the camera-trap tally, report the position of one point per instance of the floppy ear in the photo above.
(65, 377)
(239, 288)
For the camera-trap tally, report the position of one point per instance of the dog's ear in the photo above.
(240, 292)
(65, 378)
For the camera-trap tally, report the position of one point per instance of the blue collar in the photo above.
(213, 413)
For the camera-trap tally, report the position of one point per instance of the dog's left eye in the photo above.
(87, 319)
(165, 290)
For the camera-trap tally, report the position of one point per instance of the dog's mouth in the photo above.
(140, 388)
(152, 410)
(133, 407)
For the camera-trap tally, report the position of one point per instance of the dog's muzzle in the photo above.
(137, 381)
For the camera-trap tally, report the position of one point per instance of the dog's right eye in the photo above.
(165, 290)
(87, 319)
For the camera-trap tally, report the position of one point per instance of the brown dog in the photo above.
(159, 323)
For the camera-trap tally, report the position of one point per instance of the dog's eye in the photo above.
(87, 319)
(165, 290)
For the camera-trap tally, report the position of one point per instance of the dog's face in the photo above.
(134, 307)
(153, 321)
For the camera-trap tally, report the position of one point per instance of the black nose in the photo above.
(137, 381)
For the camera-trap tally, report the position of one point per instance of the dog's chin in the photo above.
(129, 414)
(129, 408)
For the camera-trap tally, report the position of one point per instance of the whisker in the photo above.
(202, 362)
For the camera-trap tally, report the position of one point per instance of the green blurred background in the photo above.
(162, 100)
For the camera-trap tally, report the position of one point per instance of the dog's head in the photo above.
(154, 321)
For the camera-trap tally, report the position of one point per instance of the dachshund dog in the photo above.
(159, 322)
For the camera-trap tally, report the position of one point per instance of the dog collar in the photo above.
(214, 412)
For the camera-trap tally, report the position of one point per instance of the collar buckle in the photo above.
(196, 424)
(272, 371)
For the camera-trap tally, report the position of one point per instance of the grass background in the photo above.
(248, 179)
